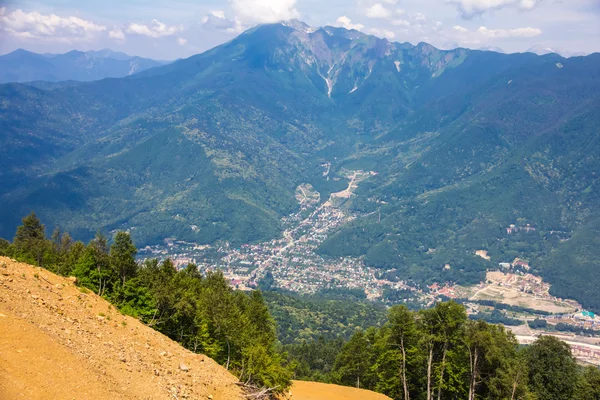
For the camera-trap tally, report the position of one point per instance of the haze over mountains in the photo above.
(543, 50)
(212, 148)
(25, 66)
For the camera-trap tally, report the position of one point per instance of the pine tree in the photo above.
(30, 241)
(122, 257)
(4, 247)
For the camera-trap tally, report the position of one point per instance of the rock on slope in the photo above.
(57, 342)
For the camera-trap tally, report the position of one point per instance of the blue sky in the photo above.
(180, 28)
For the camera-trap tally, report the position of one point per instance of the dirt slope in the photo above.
(59, 343)
(321, 391)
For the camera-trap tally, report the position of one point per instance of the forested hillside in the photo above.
(432, 353)
(202, 313)
(212, 148)
(439, 353)
(321, 316)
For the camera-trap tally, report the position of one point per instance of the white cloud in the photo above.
(470, 8)
(156, 29)
(34, 25)
(377, 11)
(527, 4)
(400, 11)
(460, 29)
(264, 11)
(345, 22)
(218, 13)
(383, 33)
(420, 18)
(212, 21)
(116, 33)
(510, 33)
(400, 22)
(391, 2)
(181, 41)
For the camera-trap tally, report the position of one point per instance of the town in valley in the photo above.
(293, 264)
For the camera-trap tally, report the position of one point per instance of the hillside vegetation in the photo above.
(212, 148)
(433, 352)
(202, 313)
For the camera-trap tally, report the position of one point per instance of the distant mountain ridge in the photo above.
(211, 148)
(25, 66)
(543, 50)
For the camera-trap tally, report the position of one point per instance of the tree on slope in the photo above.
(30, 241)
(92, 269)
(552, 369)
(401, 337)
(122, 256)
(354, 361)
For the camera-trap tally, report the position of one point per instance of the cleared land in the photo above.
(355, 178)
(307, 193)
(321, 391)
(525, 291)
(57, 342)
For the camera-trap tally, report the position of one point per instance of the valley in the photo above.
(214, 152)
(293, 263)
(386, 207)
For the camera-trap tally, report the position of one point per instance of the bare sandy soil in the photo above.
(57, 342)
(321, 391)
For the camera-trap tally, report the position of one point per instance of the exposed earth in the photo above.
(527, 291)
(57, 342)
(320, 391)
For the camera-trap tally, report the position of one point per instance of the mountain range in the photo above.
(25, 66)
(473, 149)
(541, 50)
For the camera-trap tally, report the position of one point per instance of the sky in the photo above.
(167, 30)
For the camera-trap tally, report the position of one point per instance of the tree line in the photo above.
(439, 353)
(201, 312)
(430, 354)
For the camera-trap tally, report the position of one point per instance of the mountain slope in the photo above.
(525, 152)
(262, 120)
(25, 66)
(212, 148)
(59, 342)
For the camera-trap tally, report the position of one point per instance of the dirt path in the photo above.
(321, 391)
(57, 342)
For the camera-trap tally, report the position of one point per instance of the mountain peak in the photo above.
(19, 53)
(298, 25)
(541, 50)
(108, 53)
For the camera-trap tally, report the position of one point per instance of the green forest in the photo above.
(212, 148)
(430, 353)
